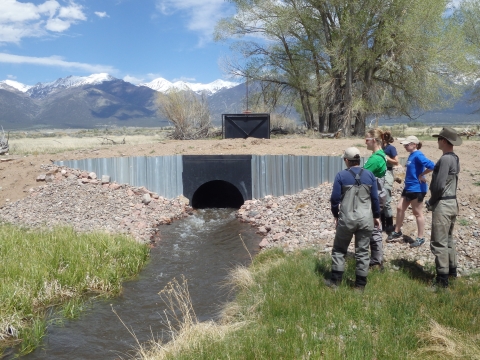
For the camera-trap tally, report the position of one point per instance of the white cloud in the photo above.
(101, 14)
(57, 62)
(133, 79)
(25, 19)
(202, 14)
(184, 79)
(11, 77)
(141, 78)
(57, 25)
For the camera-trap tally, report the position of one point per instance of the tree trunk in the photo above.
(306, 109)
(360, 124)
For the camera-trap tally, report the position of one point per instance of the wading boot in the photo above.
(389, 228)
(384, 224)
(441, 281)
(335, 279)
(360, 283)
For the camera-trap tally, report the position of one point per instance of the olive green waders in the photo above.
(444, 214)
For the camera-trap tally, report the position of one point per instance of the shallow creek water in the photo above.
(202, 247)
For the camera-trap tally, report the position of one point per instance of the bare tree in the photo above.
(188, 112)
(3, 143)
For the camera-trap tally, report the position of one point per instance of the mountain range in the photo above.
(102, 100)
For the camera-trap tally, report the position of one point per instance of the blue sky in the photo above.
(134, 40)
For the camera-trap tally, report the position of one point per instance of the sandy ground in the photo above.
(18, 173)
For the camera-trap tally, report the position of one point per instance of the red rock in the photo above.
(263, 243)
(262, 230)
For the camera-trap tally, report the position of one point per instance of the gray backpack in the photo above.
(356, 205)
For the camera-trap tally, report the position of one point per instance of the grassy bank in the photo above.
(284, 311)
(57, 270)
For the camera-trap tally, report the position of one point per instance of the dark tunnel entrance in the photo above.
(217, 194)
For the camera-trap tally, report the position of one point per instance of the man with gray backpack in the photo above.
(356, 210)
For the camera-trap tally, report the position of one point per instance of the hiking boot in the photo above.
(394, 236)
(418, 242)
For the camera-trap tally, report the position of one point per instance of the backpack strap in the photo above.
(356, 176)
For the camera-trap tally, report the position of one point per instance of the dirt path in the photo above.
(18, 174)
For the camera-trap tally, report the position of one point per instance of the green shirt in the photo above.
(377, 163)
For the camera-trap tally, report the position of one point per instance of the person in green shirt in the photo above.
(377, 164)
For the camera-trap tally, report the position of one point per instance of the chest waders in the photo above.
(444, 214)
(355, 219)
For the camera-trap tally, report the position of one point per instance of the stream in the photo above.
(202, 247)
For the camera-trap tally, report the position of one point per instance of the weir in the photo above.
(216, 180)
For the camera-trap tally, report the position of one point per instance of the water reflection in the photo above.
(202, 247)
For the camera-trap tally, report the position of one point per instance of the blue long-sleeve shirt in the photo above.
(345, 178)
(416, 164)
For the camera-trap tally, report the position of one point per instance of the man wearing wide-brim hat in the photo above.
(444, 206)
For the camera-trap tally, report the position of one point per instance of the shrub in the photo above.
(188, 113)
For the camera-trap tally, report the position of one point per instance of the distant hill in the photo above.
(461, 113)
(100, 100)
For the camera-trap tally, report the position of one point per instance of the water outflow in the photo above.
(202, 247)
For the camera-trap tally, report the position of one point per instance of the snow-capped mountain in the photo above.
(16, 85)
(101, 99)
(163, 85)
(41, 90)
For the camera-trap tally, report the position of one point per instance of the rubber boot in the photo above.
(384, 224)
(452, 273)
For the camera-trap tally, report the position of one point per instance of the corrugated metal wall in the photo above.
(288, 174)
(275, 175)
(160, 174)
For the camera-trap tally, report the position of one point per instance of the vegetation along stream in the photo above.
(202, 247)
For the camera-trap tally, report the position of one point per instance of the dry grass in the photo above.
(52, 145)
(440, 342)
(186, 332)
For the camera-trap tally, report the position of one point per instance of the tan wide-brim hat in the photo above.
(451, 136)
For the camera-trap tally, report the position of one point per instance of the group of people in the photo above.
(361, 203)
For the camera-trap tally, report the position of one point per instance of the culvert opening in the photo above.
(217, 194)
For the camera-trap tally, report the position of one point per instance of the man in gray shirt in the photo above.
(444, 206)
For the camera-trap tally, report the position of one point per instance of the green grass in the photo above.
(288, 313)
(463, 222)
(57, 271)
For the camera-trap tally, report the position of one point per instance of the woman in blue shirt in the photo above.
(417, 167)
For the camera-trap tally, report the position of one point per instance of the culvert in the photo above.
(217, 194)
